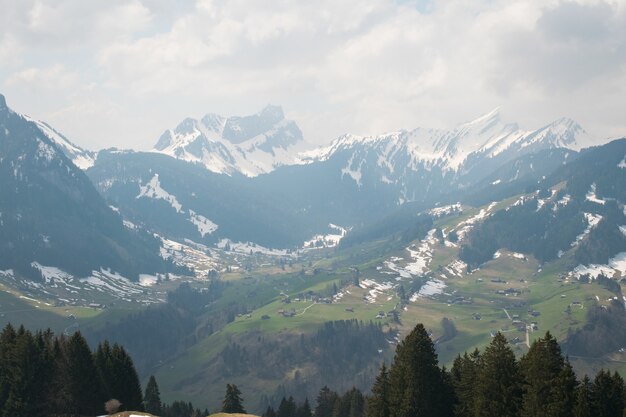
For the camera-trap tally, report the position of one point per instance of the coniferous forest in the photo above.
(46, 375)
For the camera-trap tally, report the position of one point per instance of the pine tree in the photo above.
(583, 406)
(269, 412)
(152, 397)
(287, 408)
(233, 403)
(378, 403)
(463, 375)
(498, 385)
(357, 403)
(608, 395)
(416, 382)
(548, 385)
(325, 402)
(305, 409)
(86, 397)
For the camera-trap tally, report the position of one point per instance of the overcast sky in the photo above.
(118, 73)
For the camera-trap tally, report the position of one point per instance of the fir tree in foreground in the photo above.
(152, 397)
(417, 384)
(233, 403)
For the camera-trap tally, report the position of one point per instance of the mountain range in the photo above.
(255, 179)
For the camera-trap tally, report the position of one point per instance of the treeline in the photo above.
(524, 228)
(43, 375)
(171, 326)
(492, 383)
(344, 351)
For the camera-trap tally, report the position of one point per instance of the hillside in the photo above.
(52, 216)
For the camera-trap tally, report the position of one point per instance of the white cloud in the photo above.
(129, 70)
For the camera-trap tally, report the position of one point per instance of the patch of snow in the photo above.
(591, 196)
(497, 254)
(204, 225)
(354, 174)
(194, 256)
(146, 280)
(445, 210)
(617, 264)
(375, 289)
(592, 221)
(329, 240)
(153, 190)
(496, 182)
(430, 288)
(466, 226)
(247, 248)
(622, 163)
(518, 255)
(129, 225)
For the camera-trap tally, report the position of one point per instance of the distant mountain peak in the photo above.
(250, 145)
(3, 103)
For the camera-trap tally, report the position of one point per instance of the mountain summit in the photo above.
(250, 145)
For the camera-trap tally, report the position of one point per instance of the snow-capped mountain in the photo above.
(250, 145)
(452, 150)
(82, 158)
(52, 215)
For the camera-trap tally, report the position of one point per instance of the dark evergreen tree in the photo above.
(269, 412)
(357, 403)
(608, 395)
(498, 385)
(304, 410)
(86, 397)
(583, 406)
(378, 402)
(233, 403)
(287, 408)
(417, 383)
(325, 402)
(463, 375)
(152, 397)
(548, 384)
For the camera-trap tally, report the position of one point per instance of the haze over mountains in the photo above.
(241, 236)
(233, 177)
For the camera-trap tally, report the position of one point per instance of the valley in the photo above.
(307, 270)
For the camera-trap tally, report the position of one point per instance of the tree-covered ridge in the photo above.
(43, 375)
(550, 220)
(492, 383)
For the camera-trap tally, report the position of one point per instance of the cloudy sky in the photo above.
(118, 73)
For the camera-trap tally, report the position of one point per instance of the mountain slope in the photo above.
(181, 201)
(50, 212)
(249, 145)
(423, 164)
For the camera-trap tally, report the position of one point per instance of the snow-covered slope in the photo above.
(250, 145)
(456, 149)
(82, 158)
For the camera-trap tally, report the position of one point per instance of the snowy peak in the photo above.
(249, 145)
(82, 158)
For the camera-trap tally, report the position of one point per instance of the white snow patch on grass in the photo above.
(204, 225)
(445, 210)
(329, 240)
(251, 248)
(617, 264)
(146, 280)
(592, 221)
(591, 196)
(153, 190)
(466, 226)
